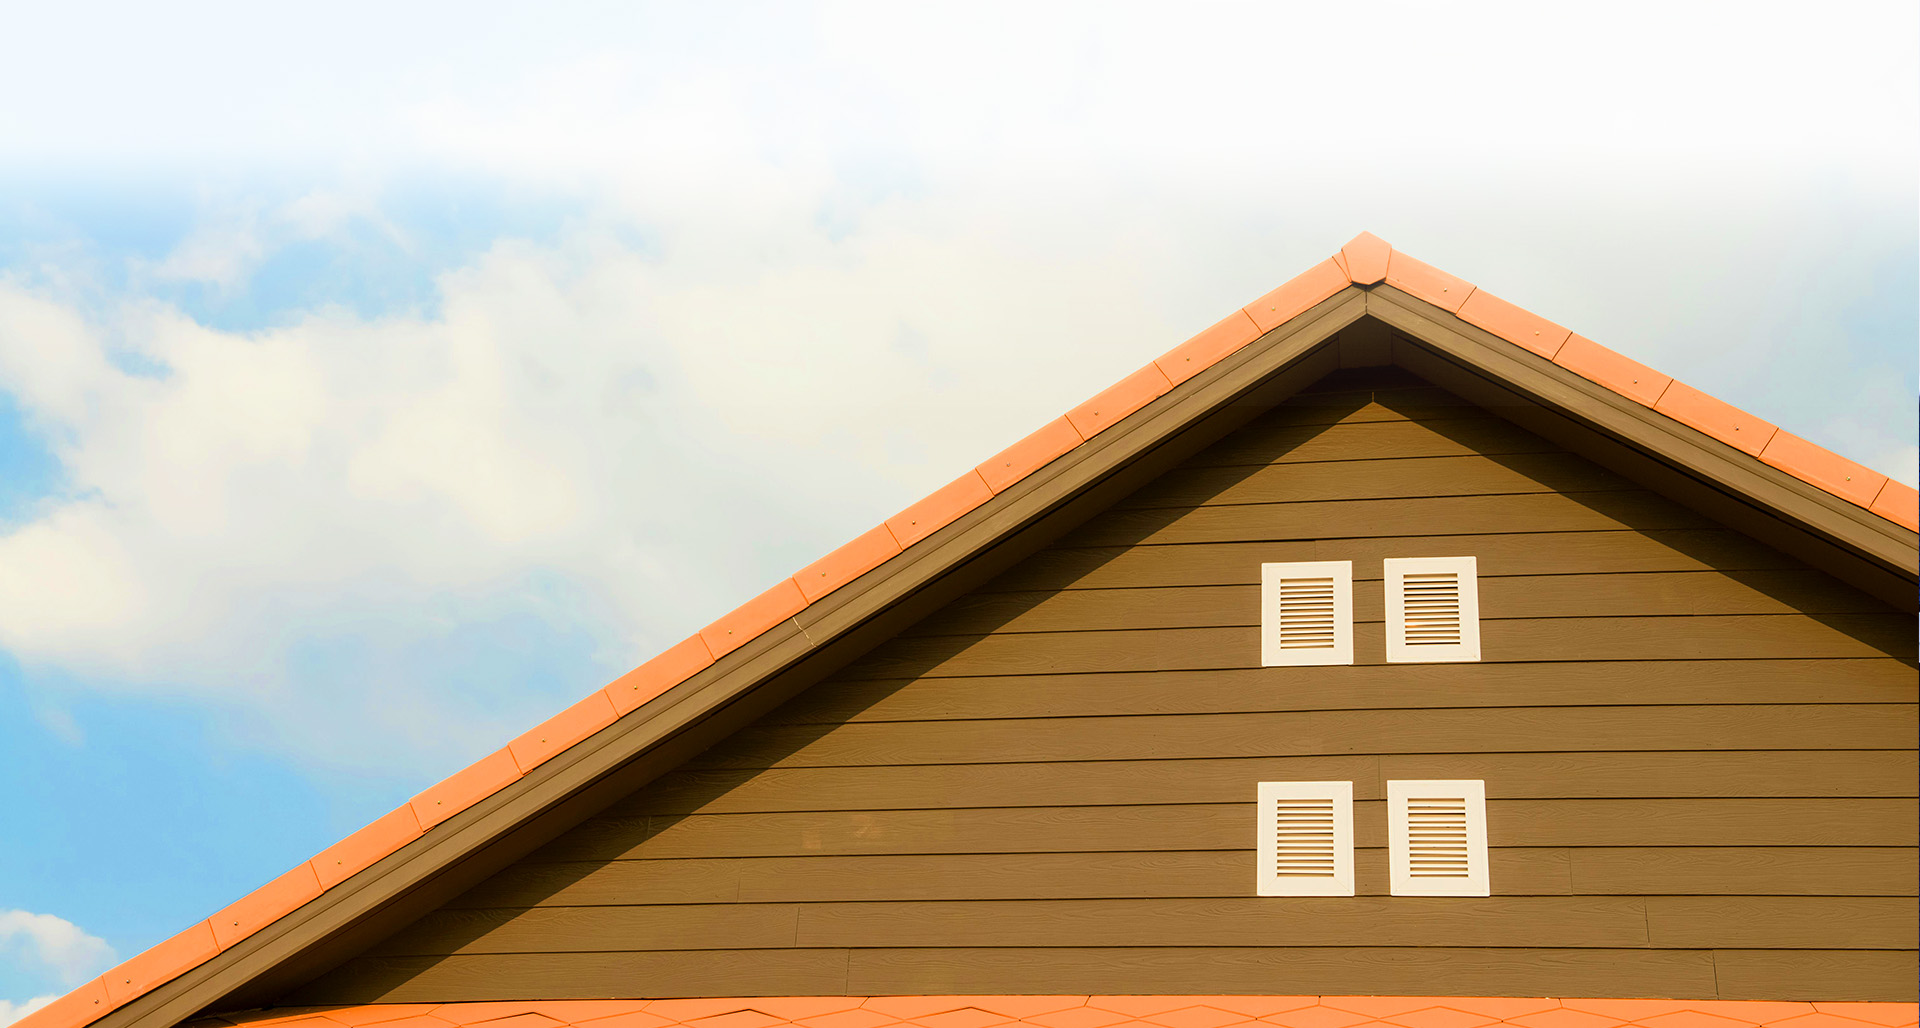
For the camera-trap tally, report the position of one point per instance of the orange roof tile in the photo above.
(1363, 262)
(1090, 1011)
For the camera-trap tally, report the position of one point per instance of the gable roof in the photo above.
(1366, 305)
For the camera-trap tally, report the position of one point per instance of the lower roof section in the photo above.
(1088, 1012)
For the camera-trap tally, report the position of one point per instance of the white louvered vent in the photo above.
(1433, 609)
(1437, 838)
(1306, 839)
(1306, 613)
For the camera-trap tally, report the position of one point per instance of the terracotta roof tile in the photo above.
(1626, 1009)
(265, 905)
(1077, 1017)
(1318, 1017)
(1023, 458)
(1891, 1015)
(795, 1007)
(465, 787)
(356, 852)
(1723, 421)
(383, 1013)
(1440, 1017)
(684, 1010)
(851, 1019)
(1824, 468)
(965, 1017)
(745, 623)
(1144, 1006)
(1026, 1006)
(1514, 324)
(1899, 503)
(1426, 282)
(1690, 1019)
(1751, 1011)
(1205, 350)
(867, 551)
(1597, 364)
(1366, 259)
(1819, 1020)
(737, 1019)
(562, 730)
(162, 963)
(1195, 1017)
(632, 1019)
(680, 662)
(1565, 1017)
(1259, 1006)
(1298, 296)
(529, 1019)
(1502, 1007)
(1117, 401)
(940, 509)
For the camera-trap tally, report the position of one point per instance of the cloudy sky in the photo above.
(376, 379)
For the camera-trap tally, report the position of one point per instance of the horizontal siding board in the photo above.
(1779, 922)
(548, 929)
(1657, 774)
(1526, 553)
(1272, 443)
(1704, 637)
(1329, 521)
(1444, 971)
(1501, 598)
(1745, 871)
(1370, 686)
(1886, 976)
(1324, 732)
(1372, 480)
(551, 927)
(1611, 922)
(979, 876)
(571, 975)
(1669, 822)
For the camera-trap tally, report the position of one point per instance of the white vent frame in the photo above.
(1274, 582)
(1466, 573)
(1402, 796)
(1339, 799)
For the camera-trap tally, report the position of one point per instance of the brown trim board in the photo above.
(742, 685)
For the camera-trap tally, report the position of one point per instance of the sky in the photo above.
(376, 379)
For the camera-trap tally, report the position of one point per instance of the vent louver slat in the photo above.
(1303, 838)
(1306, 613)
(1437, 837)
(1432, 610)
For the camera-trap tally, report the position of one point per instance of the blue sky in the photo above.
(367, 395)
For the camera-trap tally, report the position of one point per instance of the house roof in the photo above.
(1093, 1012)
(1861, 515)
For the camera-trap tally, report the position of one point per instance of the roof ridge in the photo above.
(1365, 261)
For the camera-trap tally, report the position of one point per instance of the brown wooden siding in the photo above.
(1699, 757)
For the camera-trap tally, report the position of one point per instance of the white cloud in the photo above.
(828, 261)
(11, 1011)
(45, 945)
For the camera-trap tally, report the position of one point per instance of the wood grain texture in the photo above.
(1886, 976)
(581, 975)
(1701, 637)
(1427, 971)
(1744, 871)
(1324, 732)
(1376, 686)
(1589, 775)
(1389, 478)
(1783, 922)
(1670, 822)
(1501, 598)
(1526, 553)
(981, 876)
